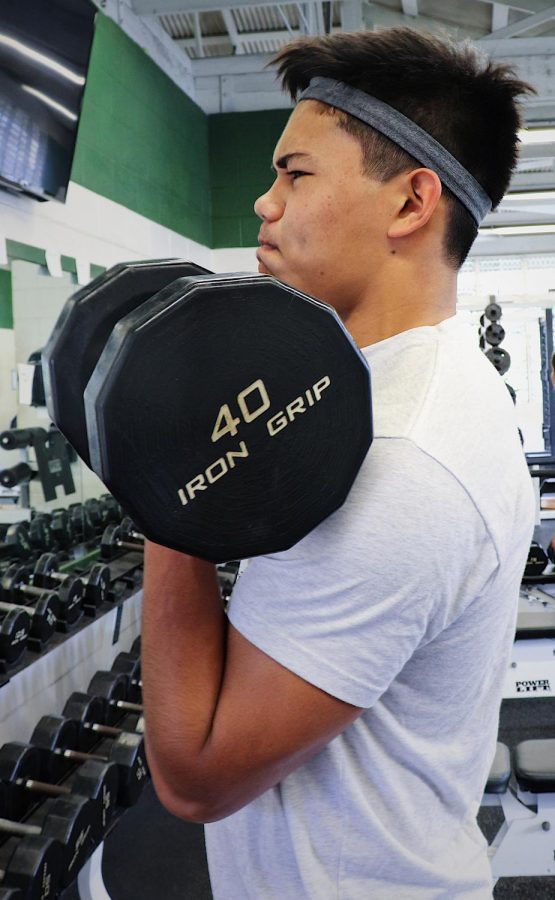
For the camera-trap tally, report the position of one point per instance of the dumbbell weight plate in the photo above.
(256, 420)
(537, 560)
(494, 334)
(83, 328)
(83, 708)
(35, 867)
(15, 626)
(493, 312)
(98, 584)
(500, 359)
(47, 738)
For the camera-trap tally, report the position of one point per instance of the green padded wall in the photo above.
(142, 142)
(6, 313)
(241, 148)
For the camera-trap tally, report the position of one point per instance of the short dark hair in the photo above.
(460, 97)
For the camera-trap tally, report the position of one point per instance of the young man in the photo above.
(338, 729)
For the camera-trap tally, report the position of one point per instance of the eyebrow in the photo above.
(281, 163)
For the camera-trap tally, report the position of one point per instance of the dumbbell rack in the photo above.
(41, 683)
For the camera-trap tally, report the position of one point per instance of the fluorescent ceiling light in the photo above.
(537, 135)
(49, 102)
(517, 229)
(529, 195)
(41, 59)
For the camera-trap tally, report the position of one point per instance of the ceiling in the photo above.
(207, 28)
(225, 44)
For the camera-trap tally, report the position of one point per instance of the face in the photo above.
(323, 221)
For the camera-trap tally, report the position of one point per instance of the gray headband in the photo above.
(408, 135)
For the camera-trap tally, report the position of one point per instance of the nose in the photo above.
(269, 207)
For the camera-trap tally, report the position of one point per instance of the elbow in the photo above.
(198, 809)
(189, 797)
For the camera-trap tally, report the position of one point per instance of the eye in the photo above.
(296, 174)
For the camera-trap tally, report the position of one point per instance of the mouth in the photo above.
(265, 245)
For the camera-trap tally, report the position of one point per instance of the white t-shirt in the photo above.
(402, 602)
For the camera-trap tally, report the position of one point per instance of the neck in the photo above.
(399, 298)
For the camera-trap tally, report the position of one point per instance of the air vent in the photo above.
(536, 164)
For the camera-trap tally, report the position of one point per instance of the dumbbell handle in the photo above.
(80, 757)
(128, 545)
(43, 787)
(111, 730)
(25, 588)
(125, 704)
(57, 576)
(18, 828)
(7, 607)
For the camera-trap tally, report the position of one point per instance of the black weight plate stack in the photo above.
(155, 402)
(82, 330)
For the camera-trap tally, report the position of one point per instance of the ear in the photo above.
(420, 192)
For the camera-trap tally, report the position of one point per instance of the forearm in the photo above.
(183, 660)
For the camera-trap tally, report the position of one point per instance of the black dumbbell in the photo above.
(69, 588)
(537, 560)
(18, 474)
(71, 821)
(111, 511)
(91, 713)
(21, 770)
(59, 737)
(120, 537)
(61, 529)
(69, 602)
(500, 359)
(16, 543)
(227, 576)
(81, 524)
(96, 583)
(130, 665)
(114, 687)
(93, 510)
(15, 625)
(39, 533)
(493, 312)
(43, 616)
(494, 334)
(30, 867)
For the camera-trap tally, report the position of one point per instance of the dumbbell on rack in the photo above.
(91, 713)
(121, 537)
(81, 524)
(59, 737)
(40, 535)
(96, 585)
(94, 787)
(43, 617)
(16, 543)
(30, 868)
(71, 821)
(69, 598)
(130, 665)
(15, 626)
(61, 529)
(114, 688)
